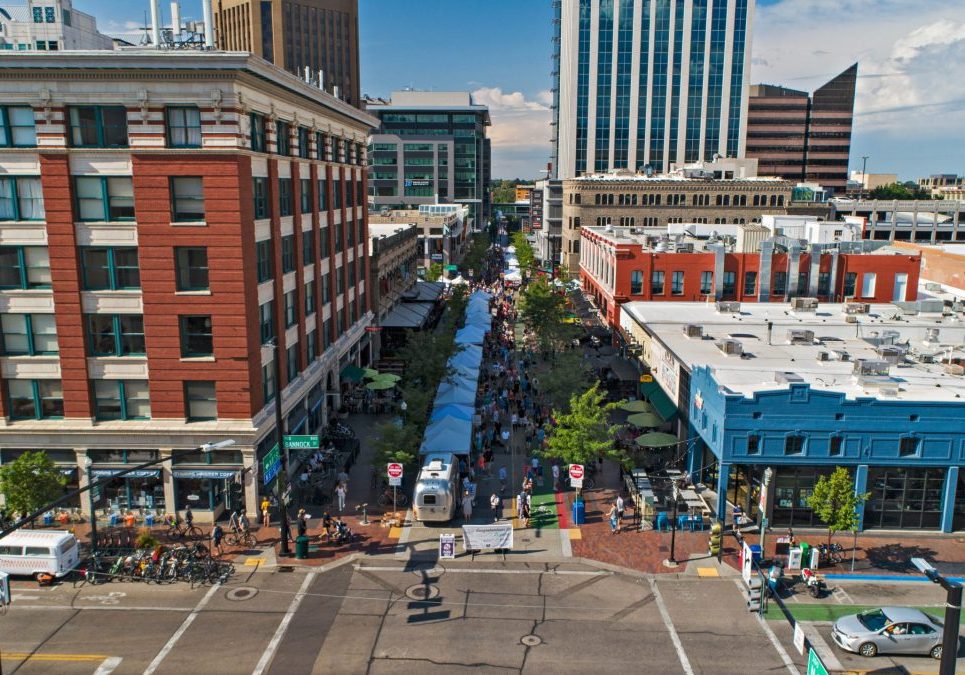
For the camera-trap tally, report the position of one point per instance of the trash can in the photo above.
(805, 554)
(112, 519)
(301, 547)
(755, 553)
(579, 512)
(48, 518)
(149, 520)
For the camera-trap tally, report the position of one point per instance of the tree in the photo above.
(900, 191)
(434, 272)
(524, 251)
(543, 309)
(835, 502)
(397, 443)
(584, 433)
(568, 376)
(504, 190)
(31, 481)
(475, 257)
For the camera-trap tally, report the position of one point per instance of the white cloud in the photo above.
(518, 122)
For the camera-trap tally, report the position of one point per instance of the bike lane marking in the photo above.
(189, 619)
(269, 652)
(668, 622)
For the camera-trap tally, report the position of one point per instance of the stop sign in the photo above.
(395, 470)
(576, 471)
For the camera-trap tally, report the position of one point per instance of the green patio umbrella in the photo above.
(379, 385)
(637, 407)
(645, 419)
(656, 439)
(370, 373)
(386, 377)
(352, 373)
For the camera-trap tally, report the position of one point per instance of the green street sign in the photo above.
(271, 464)
(815, 667)
(301, 442)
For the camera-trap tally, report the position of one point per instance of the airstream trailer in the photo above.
(437, 490)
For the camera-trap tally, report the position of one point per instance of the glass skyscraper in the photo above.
(641, 84)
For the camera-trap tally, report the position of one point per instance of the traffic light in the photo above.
(235, 496)
(754, 588)
(716, 536)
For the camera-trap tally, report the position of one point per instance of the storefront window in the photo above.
(904, 498)
(792, 487)
(143, 489)
(958, 522)
(203, 494)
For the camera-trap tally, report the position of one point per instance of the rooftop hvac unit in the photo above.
(888, 391)
(857, 308)
(731, 347)
(932, 286)
(931, 335)
(871, 368)
(889, 337)
(954, 369)
(925, 357)
(685, 247)
(851, 318)
(692, 330)
(804, 304)
(800, 336)
(891, 354)
(728, 307)
(824, 356)
(841, 355)
(787, 377)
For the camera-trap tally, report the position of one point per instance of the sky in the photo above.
(910, 109)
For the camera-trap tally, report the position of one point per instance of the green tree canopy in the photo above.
(524, 251)
(476, 255)
(543, 308)
(835, 502)
(568, 376)
(900, 191)
(584, 433)
(31, 481)
(504, 190)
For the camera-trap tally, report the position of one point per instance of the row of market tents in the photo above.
(451, 420)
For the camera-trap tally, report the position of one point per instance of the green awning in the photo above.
(352, 373)
(661, 403)
(656, 439)
(646, 420)
(636, 406)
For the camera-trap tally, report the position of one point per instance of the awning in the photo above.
(662, 404)
(220, 474)
(424, 291)
(624, 370)
(407, 315)
(352, 373)
(141, 473)
(656, 439)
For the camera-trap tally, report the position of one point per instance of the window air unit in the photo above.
(804, 304)
(857, 308)
(728, 307)
(731, 347)
(800, 336)
(692, 330)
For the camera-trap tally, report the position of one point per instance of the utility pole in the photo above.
(864, 176)
(953, 614)
(281, 482)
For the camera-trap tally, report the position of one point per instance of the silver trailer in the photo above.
(437, 490)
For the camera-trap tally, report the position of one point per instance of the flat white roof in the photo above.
(756, 371)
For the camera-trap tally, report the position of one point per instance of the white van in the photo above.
(34, 552)
(437, 490)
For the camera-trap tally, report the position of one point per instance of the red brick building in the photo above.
(163, 218)
(619, 265)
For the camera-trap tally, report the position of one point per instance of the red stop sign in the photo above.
(576, 471)
(395, 470)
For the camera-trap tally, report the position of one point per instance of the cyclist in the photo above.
(217, 534)
(188, 516)
(243, 523)
(233, 521)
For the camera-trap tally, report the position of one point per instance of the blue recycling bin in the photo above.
(48, 518)
(113, 519)
(755, 553)
(149, 519)
(579, 512)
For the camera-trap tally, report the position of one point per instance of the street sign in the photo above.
(271, 464)
(394, 471)
(799, 637)
(815, 667)
(301, 442)
(576, 471)
(447, 546)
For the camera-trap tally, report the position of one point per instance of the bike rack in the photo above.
(365, 518)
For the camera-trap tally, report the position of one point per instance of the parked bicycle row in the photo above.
(162, 564)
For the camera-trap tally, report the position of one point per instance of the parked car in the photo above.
(889, 630)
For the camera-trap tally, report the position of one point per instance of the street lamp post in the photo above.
(88, 463)
(953, 614)
(762, 505)
(675, 492)
(281, 482)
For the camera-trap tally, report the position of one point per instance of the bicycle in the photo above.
(386, 498)
(240, 538)
(177, 529)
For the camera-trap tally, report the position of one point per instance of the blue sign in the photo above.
(271, 471)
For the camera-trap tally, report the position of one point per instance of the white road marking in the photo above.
(109, 665)
(821, 646)
(108, 608)
(778, 646)
(16, 596)
(401, 547)
(269, 653)
(841, 596)
(189, 619)
(665, 615)
(566, 548)
(465, 570)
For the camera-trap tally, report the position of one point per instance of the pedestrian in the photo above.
(496, 504)
(612, 516)
(505, 437)
(556, 476)
(340, 493)
(520, 505)
(466, 506)
(502, 480)
(302, 525)
(343, 477)
(217, 534)
(188, 516)
(526, 509)
(265, 512)
(488, 455)
(620, 509)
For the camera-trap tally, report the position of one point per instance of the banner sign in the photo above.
(219, 474)
(447, 547)
(478, 537)
(143, 473)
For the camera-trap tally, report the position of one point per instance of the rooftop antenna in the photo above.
(155, 28)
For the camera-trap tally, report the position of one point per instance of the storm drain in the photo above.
(531, 640)
(241, 593)
(422, 592)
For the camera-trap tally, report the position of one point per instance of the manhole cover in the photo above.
(241, 593)
(531, 640)
(422, 592)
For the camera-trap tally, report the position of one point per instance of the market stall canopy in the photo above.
(468, 359)
(636, 406)
(352, 373)
(656, 439)
(449, 393)
(424, 291)
(471, 335)
(460, 412)
(448, 435)
(513, 276)
(645, 420)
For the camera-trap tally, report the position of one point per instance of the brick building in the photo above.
(619, 265)
(163, 217)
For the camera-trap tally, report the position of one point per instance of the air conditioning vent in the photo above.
(731, 347)
(888, 391)
(932, 286)
(931, 335)
(841, 355)
(824, 356)
(800, 336)
(871, 368)
(857, 308)
(851, 318)
(728, 307)
(692, 330)
(804, 304)
(787, 377)
(891, 354)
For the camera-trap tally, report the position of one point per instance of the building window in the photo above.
(326, 288)
(291, 362)
(656, 282)
(17, 127)
(200, 401)
(29, 334)
(303, 142)
(305, 195)
(122, 400)
(308, 247)
(196, 336)
(285, 203)
(115, 334)
(868, 280)
(260, 194)
(35, 399)
(706, 283)
(191, 268)
(322, 194)
(98, 126)
(327, 334)
(636, 282)
(21, 198)
(112, 269)
(268, 381)
(319, 146)
(266, 321)
(183, 127)
(824, 284)
(750, 283)
(337, 229)
(677, 283)
(291, 313)
(258, 133)
(283, 139)
(38, 14)
(850, 282)
(309, 298)
(780, 283)
(187, 199)
(102, 198)
(49, 15)
(288, 254)
(336, 194)
(311, 344)
(265, 266)
(909, 446)
(835, 445)
(794, 444)
(753, 444)
(730, 283)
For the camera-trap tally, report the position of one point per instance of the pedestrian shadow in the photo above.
(897, 557)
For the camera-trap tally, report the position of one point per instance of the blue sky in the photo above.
(909, 112)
